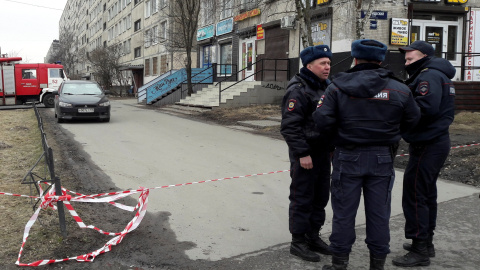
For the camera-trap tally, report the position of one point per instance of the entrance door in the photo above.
(207, 56)
(247, 58)
(445, 37)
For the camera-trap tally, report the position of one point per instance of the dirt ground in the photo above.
(76, 172)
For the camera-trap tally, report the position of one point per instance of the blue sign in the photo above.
(162, 85)
(373, 25)
(225, 27)
(205, 32)
(377, 14)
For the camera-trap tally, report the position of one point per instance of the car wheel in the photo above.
(106, 120)
(49, 100)
(59, 120)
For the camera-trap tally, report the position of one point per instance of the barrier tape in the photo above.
(453, 147)
(49, 200)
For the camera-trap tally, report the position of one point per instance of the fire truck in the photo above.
(21, 83)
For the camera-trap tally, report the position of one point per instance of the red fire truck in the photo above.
(21, 83)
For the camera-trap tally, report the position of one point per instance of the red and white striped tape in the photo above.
(49, 200)
(453, 147)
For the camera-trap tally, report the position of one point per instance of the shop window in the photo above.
(452, 42)
(446, 18)
(155, 66)
(422, 17)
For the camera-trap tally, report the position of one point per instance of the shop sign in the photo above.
(225, 27)
(205, 32)
(399, 32)
(260, 32)
(323, 2)
(246, 15)
(321, 32)
(376, 14)
(472, 61)
(456, 2)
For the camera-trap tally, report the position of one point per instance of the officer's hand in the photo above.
(306, 162)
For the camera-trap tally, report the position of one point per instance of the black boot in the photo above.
(430, 247)
(377, 262)
(299, 247)
(339, 262)
(418, 255)
(316, 243)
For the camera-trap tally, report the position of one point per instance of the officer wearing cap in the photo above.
(366, 108)
(431, 85)
(309, 154)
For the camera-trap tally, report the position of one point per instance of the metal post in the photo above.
(219, 93)
(58, 192)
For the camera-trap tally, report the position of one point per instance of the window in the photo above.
(249, 4)
(147, 67)
(148, 8)
(136, 25)
(29, 73)
(227, 9)
(207, 11)
(148, 38)
(155, 66)
(162, 3)
(136, 2)
(163, 64)
(154, 32)
(162, 34)
(226, 59)
(138, 52)
(129, 21)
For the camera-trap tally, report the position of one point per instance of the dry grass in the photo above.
(466, 121)
(20, 147)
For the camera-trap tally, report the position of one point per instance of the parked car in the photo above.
(78, 99)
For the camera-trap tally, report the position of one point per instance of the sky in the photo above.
(28, 27)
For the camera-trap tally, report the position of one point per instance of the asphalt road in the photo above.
(247, 218)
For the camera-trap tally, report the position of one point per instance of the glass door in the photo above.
(248, 59)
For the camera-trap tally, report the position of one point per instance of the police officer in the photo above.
(308, 152)
(366, 108)
(431, 85)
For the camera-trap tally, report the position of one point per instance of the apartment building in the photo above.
(138, 28)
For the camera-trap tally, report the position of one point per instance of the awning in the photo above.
(130, 67)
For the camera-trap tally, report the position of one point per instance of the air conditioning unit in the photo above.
(287, 22)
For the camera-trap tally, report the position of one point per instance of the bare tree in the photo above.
(361, 23)
(66, 51)
(105, 65)
(303, 16)
(183, 19)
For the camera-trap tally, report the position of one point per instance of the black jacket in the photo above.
(299, 102)
(366, 105)
(431, 85)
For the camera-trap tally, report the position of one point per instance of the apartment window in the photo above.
(147, 67)
(227, 9)
(162, 34)
(249, 4)
(148, 38)
(207, 11)
(162, 3)
(155, 66)
(136, 25)
(136, 2)
(129, 21)
(163, 64)
(148, 8)
(137, 52)
(154, 33)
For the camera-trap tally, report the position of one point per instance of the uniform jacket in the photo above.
(299, 102)
(366, 105)
(434, 92)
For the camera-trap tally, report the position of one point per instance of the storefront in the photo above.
(443, 25)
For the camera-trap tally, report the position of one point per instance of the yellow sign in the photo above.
(399, 32)
(457, 2)
(323, 2)
(260, 32)
(248, 14)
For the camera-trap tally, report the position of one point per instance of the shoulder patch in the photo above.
(291, 104)
(320, 102)
(423, 88)
(452, 90)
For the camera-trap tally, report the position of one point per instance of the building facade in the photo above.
(262, 39)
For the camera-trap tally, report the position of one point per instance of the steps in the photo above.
(209, 96)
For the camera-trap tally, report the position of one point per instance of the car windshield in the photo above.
(81, 89)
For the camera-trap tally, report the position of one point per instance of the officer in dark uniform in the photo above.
(366, 108)
(431, 85)
(308, 152)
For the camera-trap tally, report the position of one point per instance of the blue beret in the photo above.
(369, 49)
(315, 52)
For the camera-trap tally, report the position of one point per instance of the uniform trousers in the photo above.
(419, 199)
(309, 193)
(367, 168)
